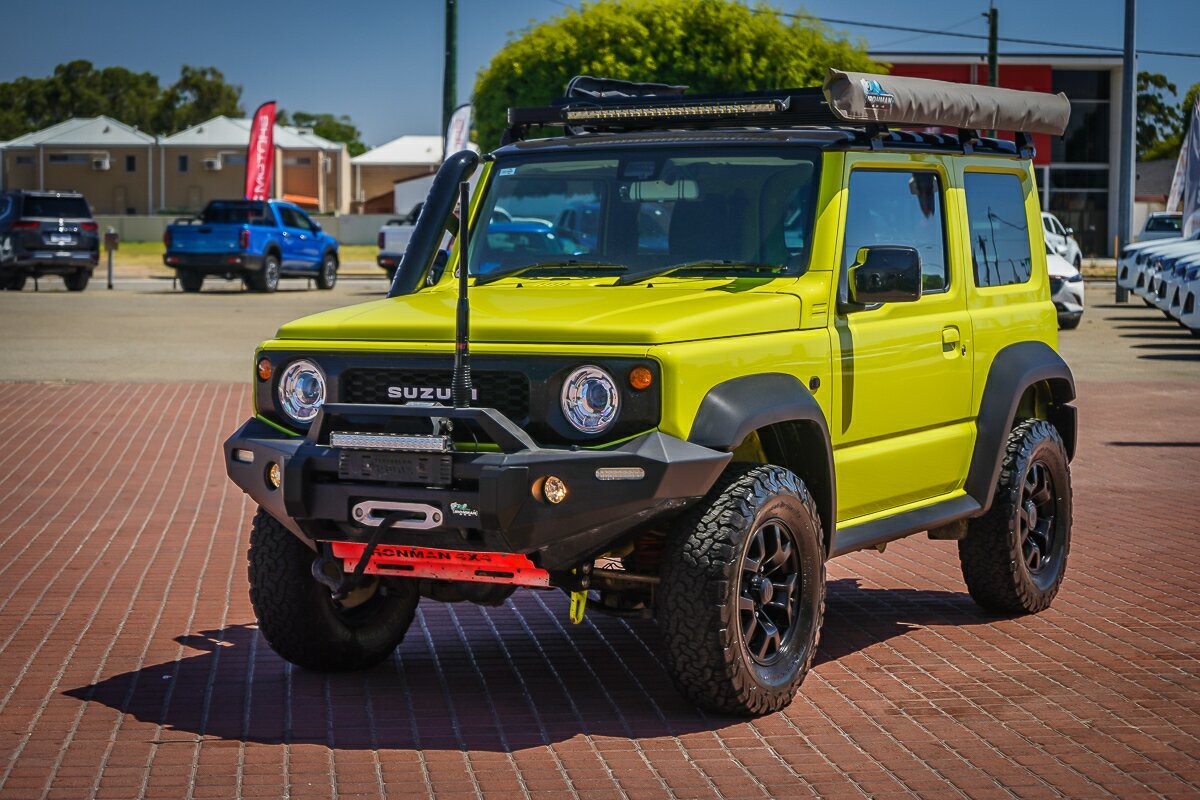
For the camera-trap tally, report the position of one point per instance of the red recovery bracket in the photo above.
(407, 561)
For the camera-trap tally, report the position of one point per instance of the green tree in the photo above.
(335, 129)
(200, 93)
(1168, 146)
(1158, 119)
(708, 45)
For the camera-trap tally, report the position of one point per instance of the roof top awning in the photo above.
(859, 97)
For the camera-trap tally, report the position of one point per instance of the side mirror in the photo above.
(884, 274)
(1069, 231)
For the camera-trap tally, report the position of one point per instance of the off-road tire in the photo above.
(77, 281)
(190, 281)
(702, 609)
(14, 282)
(299, 619)
(1069, 324)
(327, 275)
(267, 278)
(997, 550)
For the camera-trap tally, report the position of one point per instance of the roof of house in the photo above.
(404, 151)
(85, 132)
(222, 131)
(1154, 177)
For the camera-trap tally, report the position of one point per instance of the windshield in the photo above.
(61, 207)
(237, 213)
(1172, 224)
(607, 213)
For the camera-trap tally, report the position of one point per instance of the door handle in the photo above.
(950, 340)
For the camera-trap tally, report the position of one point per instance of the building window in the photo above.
(298, 161)
(1088, 132)
(183, 163)
(25, 161)
(69, 158)
(999, 230)
(131, 163)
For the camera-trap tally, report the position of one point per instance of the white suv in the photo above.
(1061, 240)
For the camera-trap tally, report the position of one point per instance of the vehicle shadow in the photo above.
(465, 678)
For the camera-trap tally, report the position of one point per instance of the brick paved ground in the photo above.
(131, 666)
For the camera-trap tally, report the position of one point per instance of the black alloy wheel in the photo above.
(769, 591)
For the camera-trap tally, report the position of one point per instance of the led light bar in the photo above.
(620, 474)
(683, 111)
(407, 442)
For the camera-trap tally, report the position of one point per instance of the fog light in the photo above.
(550, 489)
(274, 475)
(640, 378)
(265, 369)
(244, 456)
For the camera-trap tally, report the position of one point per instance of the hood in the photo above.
(1059, 267)
(562, 312)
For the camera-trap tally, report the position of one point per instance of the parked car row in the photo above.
(1165, 273)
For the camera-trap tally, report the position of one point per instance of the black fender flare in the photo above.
(735, 408)
(1014, 369)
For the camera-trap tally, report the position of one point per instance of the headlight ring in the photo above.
(590, 400)
(301, 391)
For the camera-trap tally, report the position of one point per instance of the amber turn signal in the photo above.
(641, 378)
(264, 369)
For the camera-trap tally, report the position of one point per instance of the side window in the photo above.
(999, 230)
(290, 218)
(1047, 225)
(899, 207)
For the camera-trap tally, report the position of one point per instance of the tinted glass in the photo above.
(236, 213)
(651, 209)
(290, 218)
(999, 230)
(1158, 224)
(61, 207)
(898, 207)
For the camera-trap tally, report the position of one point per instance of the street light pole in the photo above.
(450, 68)
(1128, 110)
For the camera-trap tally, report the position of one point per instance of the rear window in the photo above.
(237, 213)
(56, 207)
(999, 232)
(1164, 224)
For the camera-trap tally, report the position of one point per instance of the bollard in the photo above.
(111, 242)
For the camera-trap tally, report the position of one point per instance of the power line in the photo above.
(977, 36)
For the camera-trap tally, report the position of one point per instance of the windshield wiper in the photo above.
(520, 269)
(708, 265)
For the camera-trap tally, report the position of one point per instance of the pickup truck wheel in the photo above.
(1014, 557)
(743, 592)
(77, 281)
(190, 281)
(267, 279)
(327, 277)
(303, 624)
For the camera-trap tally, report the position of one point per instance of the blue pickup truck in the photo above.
(258, 241)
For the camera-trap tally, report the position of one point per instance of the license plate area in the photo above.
(425, 469)
(61, 238)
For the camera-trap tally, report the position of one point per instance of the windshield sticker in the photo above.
(508, 171)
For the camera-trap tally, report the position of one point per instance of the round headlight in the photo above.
(590, 400)
(301, 391)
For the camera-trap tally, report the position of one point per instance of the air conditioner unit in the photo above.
(212, 164)
(101, 164)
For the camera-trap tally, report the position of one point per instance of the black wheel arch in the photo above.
(1024, 375)
(791, 429)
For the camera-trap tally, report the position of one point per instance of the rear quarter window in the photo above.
(1000, 252)
(56, 207)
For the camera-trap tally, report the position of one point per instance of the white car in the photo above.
(1066, 289)
(1061, 240)
(1171, 283)
(1161, 225)
(1132, 260)
(1153, 261)
(1189, 301)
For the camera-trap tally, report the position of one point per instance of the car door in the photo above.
(296, 235)
(311, 241)
(902, 427)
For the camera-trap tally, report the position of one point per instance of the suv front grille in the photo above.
(505, 391)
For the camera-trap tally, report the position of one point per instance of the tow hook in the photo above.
(321, 573)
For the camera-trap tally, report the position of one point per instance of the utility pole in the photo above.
(993, 18)
(450, 69)
(1128, 110)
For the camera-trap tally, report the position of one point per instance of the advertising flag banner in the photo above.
(458, 131)
(1176, 194)
(260, 154)
(1191, 174)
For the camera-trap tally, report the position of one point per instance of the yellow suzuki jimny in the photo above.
(681, 353)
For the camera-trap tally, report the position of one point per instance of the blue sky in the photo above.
(381, 62)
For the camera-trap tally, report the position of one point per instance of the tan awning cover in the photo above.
(893, 100)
